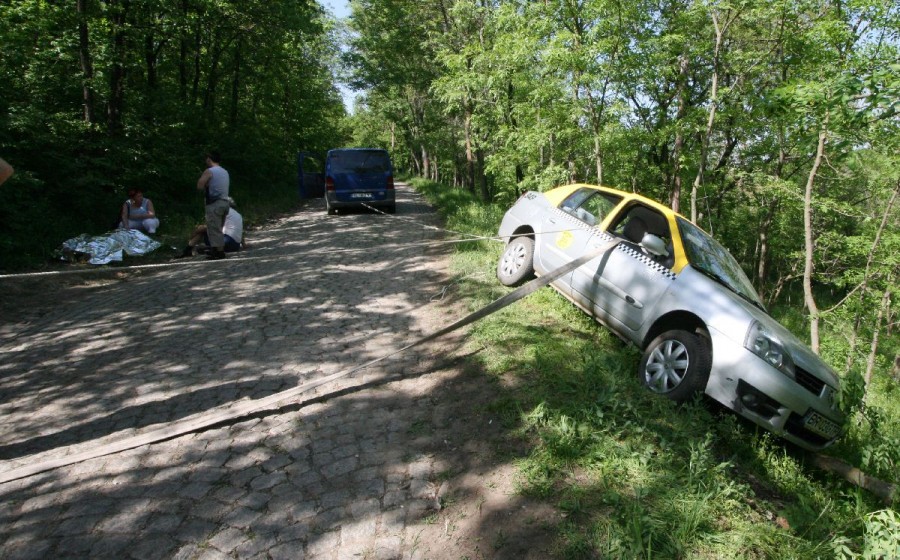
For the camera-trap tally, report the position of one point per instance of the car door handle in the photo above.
(620, 293)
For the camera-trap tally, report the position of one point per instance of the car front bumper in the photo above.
(802, 410)
(357, 199)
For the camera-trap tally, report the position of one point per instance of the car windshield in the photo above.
(707, 256)
(359, 161)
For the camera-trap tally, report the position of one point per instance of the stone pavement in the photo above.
(402, 460)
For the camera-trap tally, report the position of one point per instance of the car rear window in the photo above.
(589, 205)
(360, 161)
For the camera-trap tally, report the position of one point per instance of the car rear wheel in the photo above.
(675, 364)
(330, 209)
(517, 262)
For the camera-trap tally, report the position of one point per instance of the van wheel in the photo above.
(328, 208)
(517, 262)
(675, 364)
(392, 209)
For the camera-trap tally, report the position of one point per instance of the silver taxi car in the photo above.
(664, 284)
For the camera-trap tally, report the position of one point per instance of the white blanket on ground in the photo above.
(103, 249)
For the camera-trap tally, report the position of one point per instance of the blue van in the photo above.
(357, 176)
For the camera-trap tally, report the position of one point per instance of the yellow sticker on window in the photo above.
(564, 240)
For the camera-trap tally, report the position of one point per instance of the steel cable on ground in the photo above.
(246, 258)
(236, 410)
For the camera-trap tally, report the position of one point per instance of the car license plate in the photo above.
(360, 195)
(815, 422)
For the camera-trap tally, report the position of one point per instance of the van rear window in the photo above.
(360, 161)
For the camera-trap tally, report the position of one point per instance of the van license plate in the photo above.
(360, 195)
(815, 422)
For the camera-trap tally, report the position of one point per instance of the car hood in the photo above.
(800, 353)
(732, 315)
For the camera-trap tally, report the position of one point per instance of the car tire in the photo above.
(516, 264)
(676, 364)
(330, 209)
(392, 209)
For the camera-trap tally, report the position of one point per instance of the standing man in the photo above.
(214, 184)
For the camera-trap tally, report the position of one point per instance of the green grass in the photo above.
(638, 476)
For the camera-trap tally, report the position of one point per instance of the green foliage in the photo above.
(716, 103)
(150, 89)
(637, 476)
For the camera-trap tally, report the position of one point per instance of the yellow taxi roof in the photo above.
(558, 194)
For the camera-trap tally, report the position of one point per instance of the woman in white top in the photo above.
(138, 213)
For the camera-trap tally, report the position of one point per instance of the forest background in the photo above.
(773, 124)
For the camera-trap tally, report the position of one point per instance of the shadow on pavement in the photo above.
(141, 416)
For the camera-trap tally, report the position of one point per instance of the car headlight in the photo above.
(767, 346)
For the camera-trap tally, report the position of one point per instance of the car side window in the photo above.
(590, 206)
(600, 205)
(639, 220)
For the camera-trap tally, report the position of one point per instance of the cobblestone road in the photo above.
(360, 468)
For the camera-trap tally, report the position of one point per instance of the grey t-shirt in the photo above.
(217, 187)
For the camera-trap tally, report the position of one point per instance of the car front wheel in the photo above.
(676, 364)
(517, 262)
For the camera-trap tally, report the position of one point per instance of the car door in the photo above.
(628, 281)
(567, 229)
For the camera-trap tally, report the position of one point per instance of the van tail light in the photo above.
(329, 183)
(390, 182)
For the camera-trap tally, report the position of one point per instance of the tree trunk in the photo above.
(482, 177)
(150, 60)
(762, 271)
(87, 64)
(212, 80)
(116, 105)
(470, 155)
(679, 135)
(885, 307)
(236, 84)
(854, 336)
(195, 83)
(182, 57)
(713, 105)
(808, 296)
(884, 490)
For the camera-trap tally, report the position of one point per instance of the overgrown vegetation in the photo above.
(640, 477)
(101, 96)
(773, 124)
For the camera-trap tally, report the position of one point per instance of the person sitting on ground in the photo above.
(138, 213)
(232, 229)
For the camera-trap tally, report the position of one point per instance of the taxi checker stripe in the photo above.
(641, 257)
(648, 261)
(231, 412)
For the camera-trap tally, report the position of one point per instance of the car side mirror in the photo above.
(654, 245)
